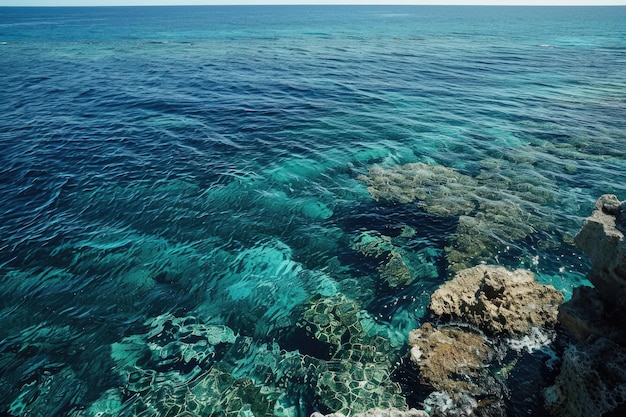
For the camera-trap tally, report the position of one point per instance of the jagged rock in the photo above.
(379, 412)
(592, 381)
(592, 378)
(497, 301)
(602, 240)
(449, 359)
(584, 316)
(454, 362)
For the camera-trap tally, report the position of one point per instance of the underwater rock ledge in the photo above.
(592, 378)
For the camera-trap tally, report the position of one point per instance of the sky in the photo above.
(226, 2)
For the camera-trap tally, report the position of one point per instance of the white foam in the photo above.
(535, 340)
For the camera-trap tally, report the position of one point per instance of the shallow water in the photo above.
(159, 164)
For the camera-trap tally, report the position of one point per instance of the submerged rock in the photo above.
(455, 363)
(356, 375)
(397, 266)
(497, 301)
(395, 270)
(491, 207)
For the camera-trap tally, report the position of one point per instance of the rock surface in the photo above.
(450, 359)
(602, 239)
(490, 310)
(592, 381)
(497, 301)
(592, 378)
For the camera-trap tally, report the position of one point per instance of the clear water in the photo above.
(182, 191)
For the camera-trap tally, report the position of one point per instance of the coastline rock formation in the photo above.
(602, 239)
(592, 378)
(463, 363)
(497, 301)
(455, 362)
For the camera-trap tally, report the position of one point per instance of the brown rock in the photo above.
(602, 240)
(449, 359)
(497, 301)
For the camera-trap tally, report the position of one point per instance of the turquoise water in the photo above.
(186, 219)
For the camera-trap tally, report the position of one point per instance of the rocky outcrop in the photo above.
(497, 301)
(450, 359)
(455, 362)
(462, 363)
(602, 240)
(591, 383)
(592, 378)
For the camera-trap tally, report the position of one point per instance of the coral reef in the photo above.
(491, 208)
(398, 267)
(592, 377)
(497, 301)
(357, 375)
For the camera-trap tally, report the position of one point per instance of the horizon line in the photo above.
(151, 3)
(594, 4)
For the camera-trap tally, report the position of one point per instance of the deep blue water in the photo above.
(183, 190)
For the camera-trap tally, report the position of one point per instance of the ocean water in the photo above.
(244, 210)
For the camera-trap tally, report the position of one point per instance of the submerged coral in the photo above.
(357, 377)
(491, 208)
(398, 266)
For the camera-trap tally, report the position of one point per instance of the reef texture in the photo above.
(591, 383)
(491, 207)
(497, 301)
(357, 376)
(592, 378)
(397, 266)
